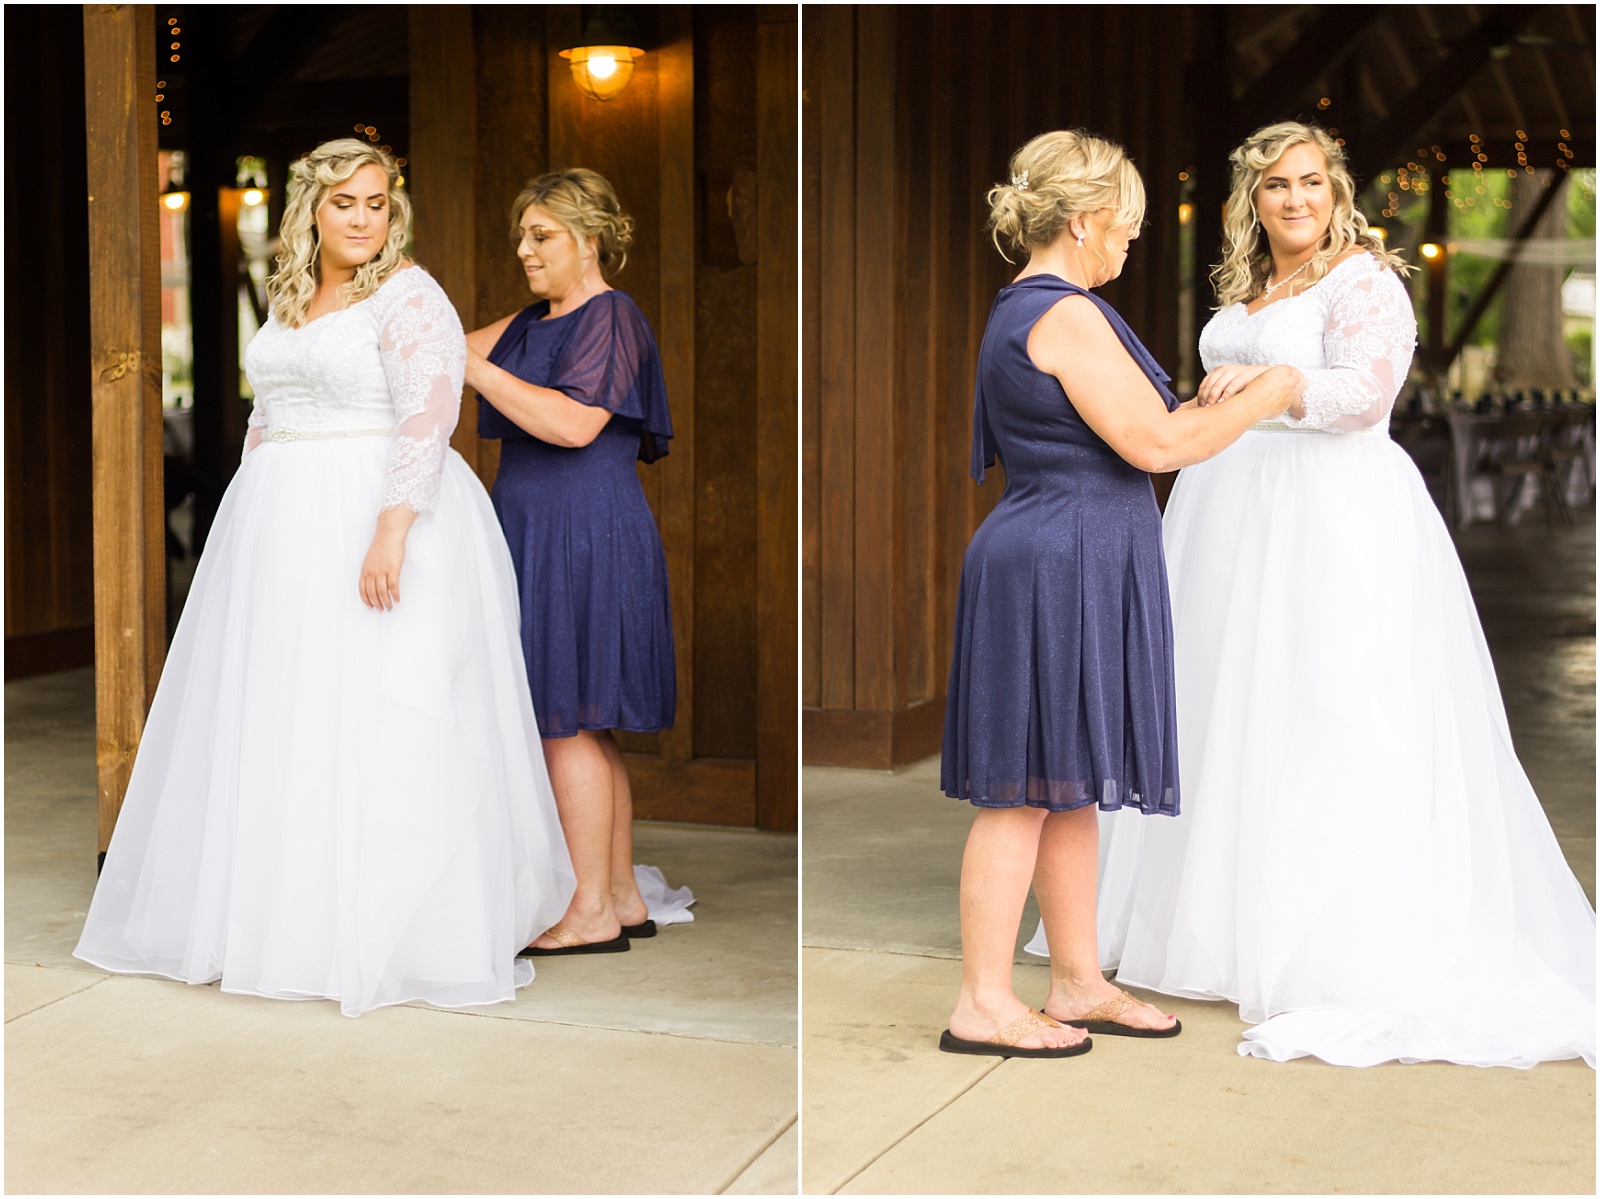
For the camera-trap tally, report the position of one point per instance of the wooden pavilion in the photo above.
(702, 148)
(910, 115)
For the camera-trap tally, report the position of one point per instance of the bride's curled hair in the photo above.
(1246, 255)
(1056, 177)
(294, 283)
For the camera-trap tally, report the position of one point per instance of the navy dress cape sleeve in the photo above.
(606, 358)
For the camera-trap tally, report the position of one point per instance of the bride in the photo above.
(340, 791)
(1362, 865)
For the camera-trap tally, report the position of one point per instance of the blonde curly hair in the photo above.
(586, 203)
(294, 284)
(1246, 254)
(1056, 177)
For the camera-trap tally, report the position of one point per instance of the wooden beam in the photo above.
(119, 52)
(777, 429)
(1438, 87)
(563, 27)
(1438, 273)
(442, 171)
(876, 350)
(1277, 93)
(1492, 287)
(675, 333)
(283, 44)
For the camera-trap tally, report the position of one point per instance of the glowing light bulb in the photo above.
(602, 72)
(175, 201)
(253, 196)
(1431, 250)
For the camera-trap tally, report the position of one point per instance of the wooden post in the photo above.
(777, 430)
(1438, 228)
(675, 335)
(442, 174)
(125, 337)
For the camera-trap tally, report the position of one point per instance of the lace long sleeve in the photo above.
(424, 356)
(1368, 339)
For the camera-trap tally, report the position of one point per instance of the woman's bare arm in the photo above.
(1074, 342)
(545, 412)
(483, 340)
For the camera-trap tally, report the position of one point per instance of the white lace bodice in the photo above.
(391, 364)
(1352, 335)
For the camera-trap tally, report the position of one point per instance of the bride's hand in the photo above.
(380, 571)
(1226, 381)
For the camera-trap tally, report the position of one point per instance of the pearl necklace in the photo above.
(1272, 287)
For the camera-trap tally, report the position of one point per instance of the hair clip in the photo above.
(1020, 182)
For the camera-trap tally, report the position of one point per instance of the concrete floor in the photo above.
(669, 1069)
(885, 1112)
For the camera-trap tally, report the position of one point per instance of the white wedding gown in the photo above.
(1360, 862)
(332, 801)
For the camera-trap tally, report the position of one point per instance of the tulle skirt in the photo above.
(331, 801)
(1361, 864)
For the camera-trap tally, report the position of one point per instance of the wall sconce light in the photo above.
(1185, 213)
(174, 201)
(1431, 250)
(601, 72)
(253, 196)
(602, 64)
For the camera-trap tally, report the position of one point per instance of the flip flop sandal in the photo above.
(571, 943)
(1103, 1020)
(646, 928)
(1004, 1042)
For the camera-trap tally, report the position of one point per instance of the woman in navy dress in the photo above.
(572, 386)
(1061, 689)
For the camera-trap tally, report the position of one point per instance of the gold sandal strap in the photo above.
(563, 936)
(1021, 1027)
(1112, 1008)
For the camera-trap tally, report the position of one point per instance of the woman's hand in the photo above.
(1225, 382)
(476, 362)
(379, 584)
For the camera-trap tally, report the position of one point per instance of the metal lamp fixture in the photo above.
(603, 64)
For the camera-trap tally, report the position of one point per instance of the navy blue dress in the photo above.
(1061, 689)
(591, 574)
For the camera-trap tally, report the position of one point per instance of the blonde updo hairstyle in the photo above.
(311, 177)
(586, 204)
(1056, 177)
(1246, 253)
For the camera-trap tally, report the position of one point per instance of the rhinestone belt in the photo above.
(322, 434)
(1267, 426)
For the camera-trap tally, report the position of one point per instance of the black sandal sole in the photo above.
(617, 944)
(950, 1043)
(635, 931)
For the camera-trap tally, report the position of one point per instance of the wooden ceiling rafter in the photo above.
(1445, 79)
(1557, 101)
(1319, 47)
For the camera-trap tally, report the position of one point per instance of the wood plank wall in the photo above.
(49, 561)
(909, 116)
(677, 144)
